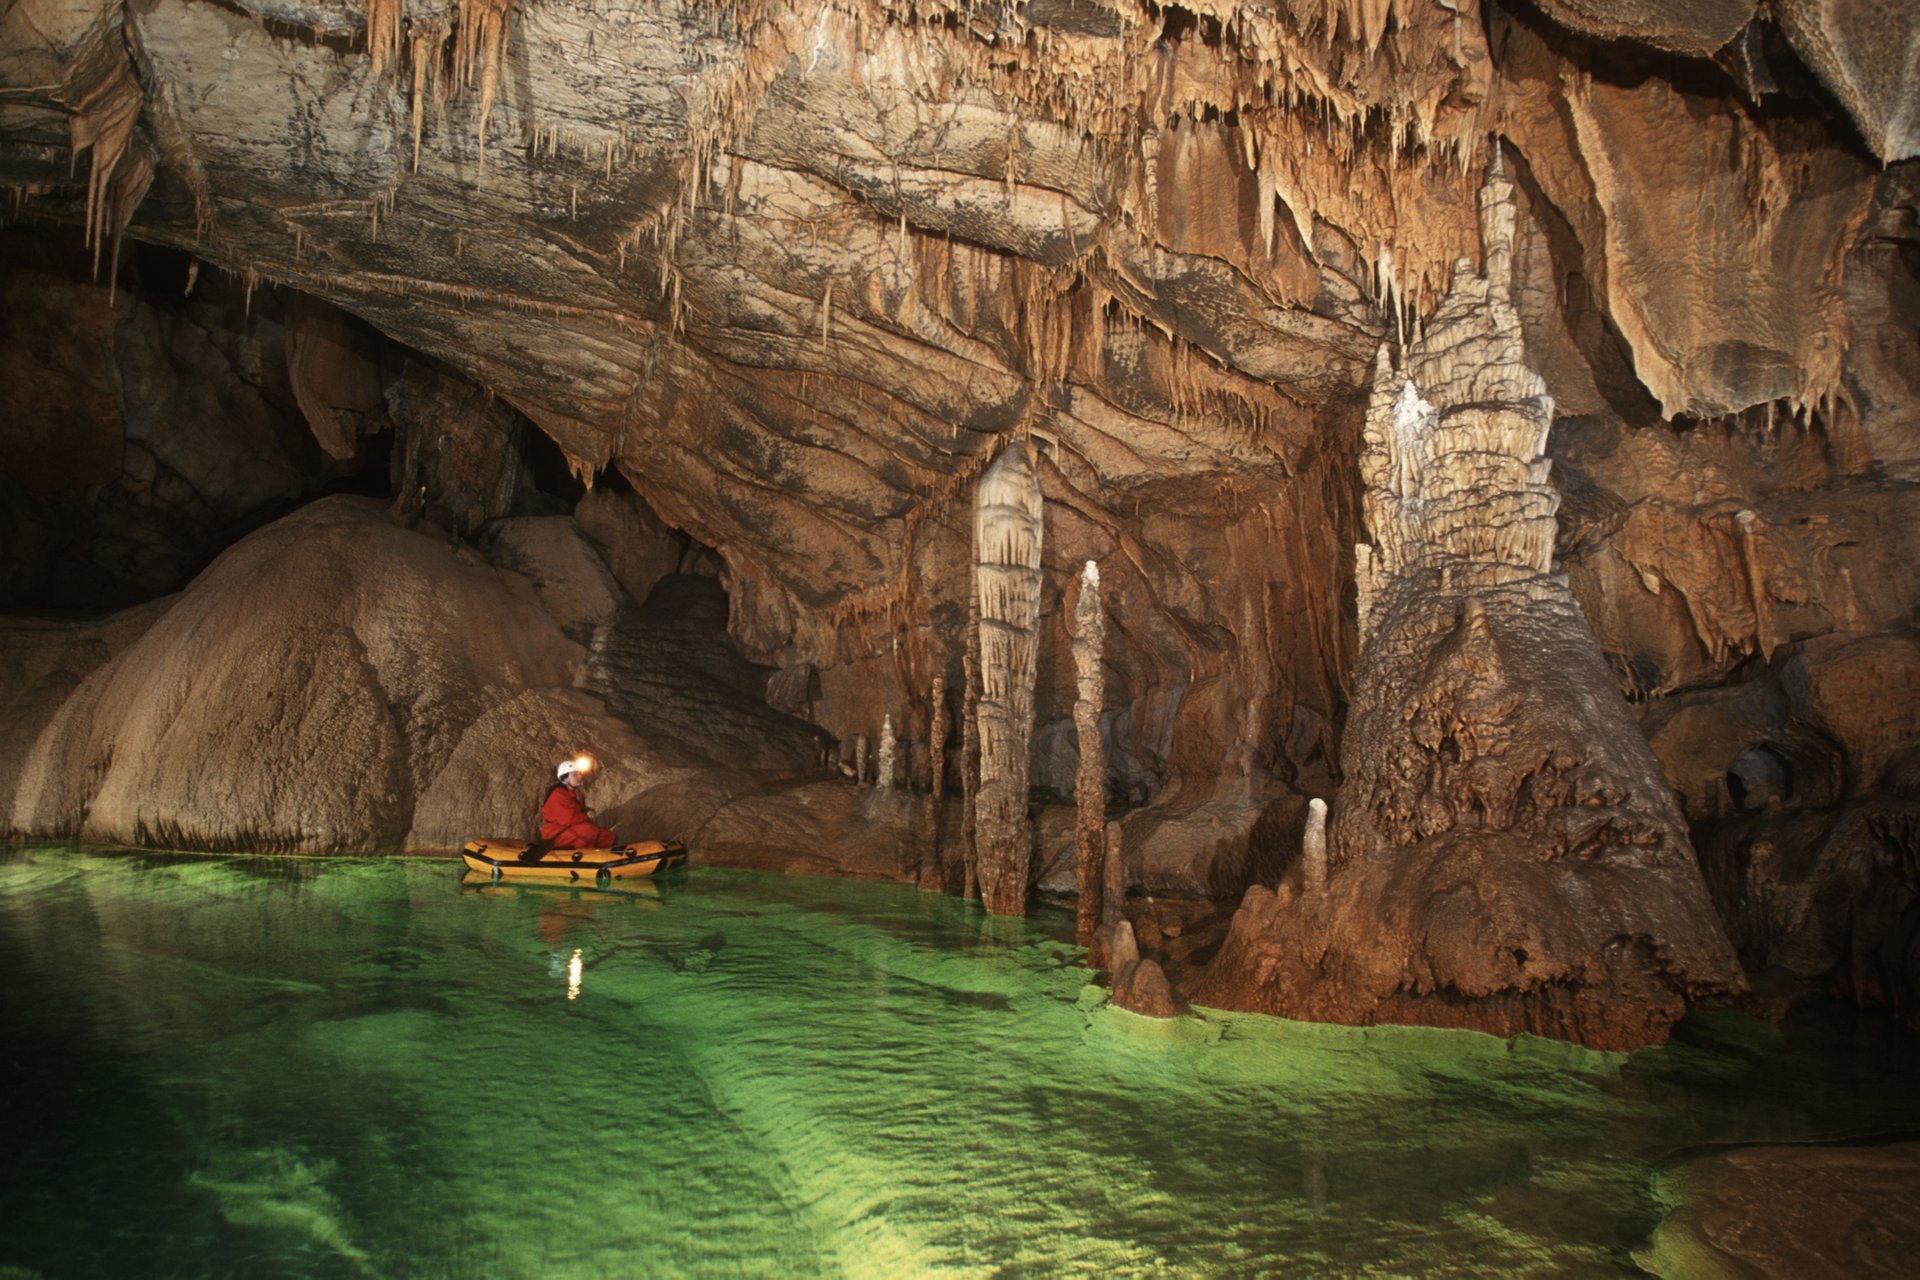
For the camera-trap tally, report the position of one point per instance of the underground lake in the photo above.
(249, 1066)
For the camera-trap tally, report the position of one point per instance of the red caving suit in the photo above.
(564, 820)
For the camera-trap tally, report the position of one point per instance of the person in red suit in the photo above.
(564, 820)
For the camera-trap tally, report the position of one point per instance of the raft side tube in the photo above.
(640, 858)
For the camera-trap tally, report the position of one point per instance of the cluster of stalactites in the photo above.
(1313, 86)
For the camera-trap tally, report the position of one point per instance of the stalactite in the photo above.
(1090, 785)
(970, 749)
(1763, 633)
(480, 45)
(883, 763)
(1007, 535)
(383, 34)
(103, 120)
(424, 41)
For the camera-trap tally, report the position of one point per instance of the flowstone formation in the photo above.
(1505, 853)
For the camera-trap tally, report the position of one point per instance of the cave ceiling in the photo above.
(794, 267)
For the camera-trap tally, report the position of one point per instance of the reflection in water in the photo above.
(330, 1075)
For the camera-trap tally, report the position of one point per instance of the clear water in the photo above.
(258, 1067)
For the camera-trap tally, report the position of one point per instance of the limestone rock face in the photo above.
(145, 432)
(1505, 852)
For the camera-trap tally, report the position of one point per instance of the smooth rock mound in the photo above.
(299, 695)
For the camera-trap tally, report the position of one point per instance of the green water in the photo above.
(255, 1067)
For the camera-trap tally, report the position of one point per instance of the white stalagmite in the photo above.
(883, 769)
(1090, 784)
(1007, 531)
(1313, 845)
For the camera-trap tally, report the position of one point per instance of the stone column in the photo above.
(1090, 784)
(1007, 532)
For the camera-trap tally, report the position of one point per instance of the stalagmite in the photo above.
(1313, 845)
(1090, 785)
(1007, 532)
(883, 766)
(860, 758)
(1756, 586)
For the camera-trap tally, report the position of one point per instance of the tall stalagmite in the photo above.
(1007, 532)
(1505, 852)
(1090, 784)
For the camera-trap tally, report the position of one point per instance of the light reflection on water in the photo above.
(256, 1067)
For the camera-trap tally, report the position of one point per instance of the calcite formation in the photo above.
(749, 296)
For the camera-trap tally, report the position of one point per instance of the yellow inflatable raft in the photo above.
(509, 858)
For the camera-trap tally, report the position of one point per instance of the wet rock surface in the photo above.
(1807, 1210)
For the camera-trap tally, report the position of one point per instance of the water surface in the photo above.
(359, 1067)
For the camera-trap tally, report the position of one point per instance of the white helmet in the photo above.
(581, 764)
